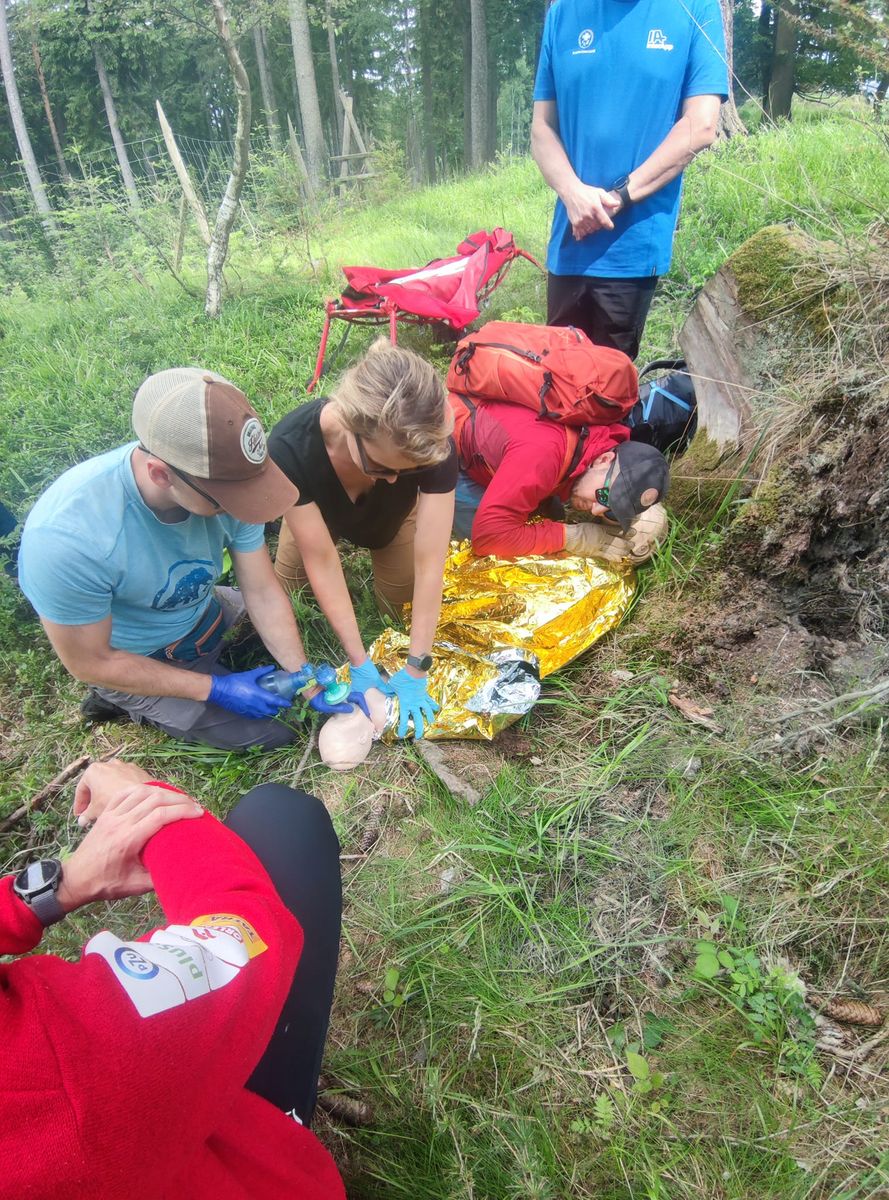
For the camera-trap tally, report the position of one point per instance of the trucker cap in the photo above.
(201, 425)
(641, 467)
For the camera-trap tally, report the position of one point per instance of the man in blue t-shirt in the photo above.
(120, 557)
(627, 93)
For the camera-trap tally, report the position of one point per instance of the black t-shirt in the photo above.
(296, 444)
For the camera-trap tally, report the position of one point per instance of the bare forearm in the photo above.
(329, 585)
(551, 158)
(272, 616)
(121, 671)
(686, 139)
(426, 606)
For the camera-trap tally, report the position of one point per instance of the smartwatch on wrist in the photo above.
(37, 884)
(420, 662)
(621, 187)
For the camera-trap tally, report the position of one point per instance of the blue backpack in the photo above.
(665, 416)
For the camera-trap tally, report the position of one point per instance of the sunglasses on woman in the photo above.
(377, 470)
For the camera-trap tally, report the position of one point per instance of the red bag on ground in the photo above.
(554, 370)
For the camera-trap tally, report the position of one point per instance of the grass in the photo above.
(503, 965)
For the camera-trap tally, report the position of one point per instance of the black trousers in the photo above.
(292, 835)
(611, 312)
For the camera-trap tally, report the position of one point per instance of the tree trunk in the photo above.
(334, 72)
(424, 18)
(310, 112)
(228, 209)
(730, 123)
(50, 119)
(780, 95)
(478, 119)
(120, 149)
(764, 26)
(493, 91)
(467, 90)
(267, 87)
(38, 191)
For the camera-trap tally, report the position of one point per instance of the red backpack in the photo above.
(554, 370)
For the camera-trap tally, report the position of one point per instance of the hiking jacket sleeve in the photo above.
(527, 475)
(135, 1052)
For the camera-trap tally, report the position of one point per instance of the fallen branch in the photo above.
(39, 799)
(433, 756)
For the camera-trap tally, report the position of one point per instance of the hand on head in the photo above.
(126, 812)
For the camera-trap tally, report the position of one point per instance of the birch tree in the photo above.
(309, 109)
(267, 87)
(129, 181)
(228, 209)
(35, 183)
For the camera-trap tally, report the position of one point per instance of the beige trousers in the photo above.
(393, 567)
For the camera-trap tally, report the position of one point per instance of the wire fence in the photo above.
(99, 175)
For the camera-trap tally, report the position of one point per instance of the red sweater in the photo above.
(523, 458)
(100, 1102)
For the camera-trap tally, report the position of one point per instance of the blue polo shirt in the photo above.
(92, 547)
(619, 71)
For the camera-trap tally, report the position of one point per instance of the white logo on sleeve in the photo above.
(657, 40)
(585, 42)
(178, 964)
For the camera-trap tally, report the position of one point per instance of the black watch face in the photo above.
(422, 662)
(38, 877)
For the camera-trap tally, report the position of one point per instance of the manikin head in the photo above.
(346, 738)
(622, 483)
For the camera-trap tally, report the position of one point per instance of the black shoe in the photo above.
(95, 710)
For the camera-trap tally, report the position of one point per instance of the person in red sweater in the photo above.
(512, 463)
(183, 1064)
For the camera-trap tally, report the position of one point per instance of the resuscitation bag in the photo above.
(665, 415)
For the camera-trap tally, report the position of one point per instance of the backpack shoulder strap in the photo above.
(575, 443)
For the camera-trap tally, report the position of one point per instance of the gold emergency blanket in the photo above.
(549, 609)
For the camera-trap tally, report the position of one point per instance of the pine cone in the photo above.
(851, 1012)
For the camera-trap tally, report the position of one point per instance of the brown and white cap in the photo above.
(202, 425)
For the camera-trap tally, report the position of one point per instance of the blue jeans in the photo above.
(468, 498)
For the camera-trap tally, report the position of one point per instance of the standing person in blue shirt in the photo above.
(120, 557)
(627, 93)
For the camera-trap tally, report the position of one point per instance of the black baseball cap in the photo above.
(642, 467)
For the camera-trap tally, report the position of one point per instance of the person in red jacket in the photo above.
(512, 464)
(185, 1063)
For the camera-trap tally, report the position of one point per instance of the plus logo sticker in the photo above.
(657, 40)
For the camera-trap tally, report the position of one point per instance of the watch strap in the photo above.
(420, 662)
(46, 907)
(38, 892)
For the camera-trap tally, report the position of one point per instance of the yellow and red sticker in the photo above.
(236, 927)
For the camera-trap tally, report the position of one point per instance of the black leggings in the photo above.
(291, 834)
(611, 312)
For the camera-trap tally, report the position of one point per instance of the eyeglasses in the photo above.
(603, 493)
(377, 470)
(194, 487)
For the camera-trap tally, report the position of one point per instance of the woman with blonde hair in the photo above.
(376, 466)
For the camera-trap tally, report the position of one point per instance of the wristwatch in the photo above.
(420, 662)
(37, 884)
(621, 186)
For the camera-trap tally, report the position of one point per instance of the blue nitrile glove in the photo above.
(414, 702)
(240, 693)
(321, 704)
(368, 676)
